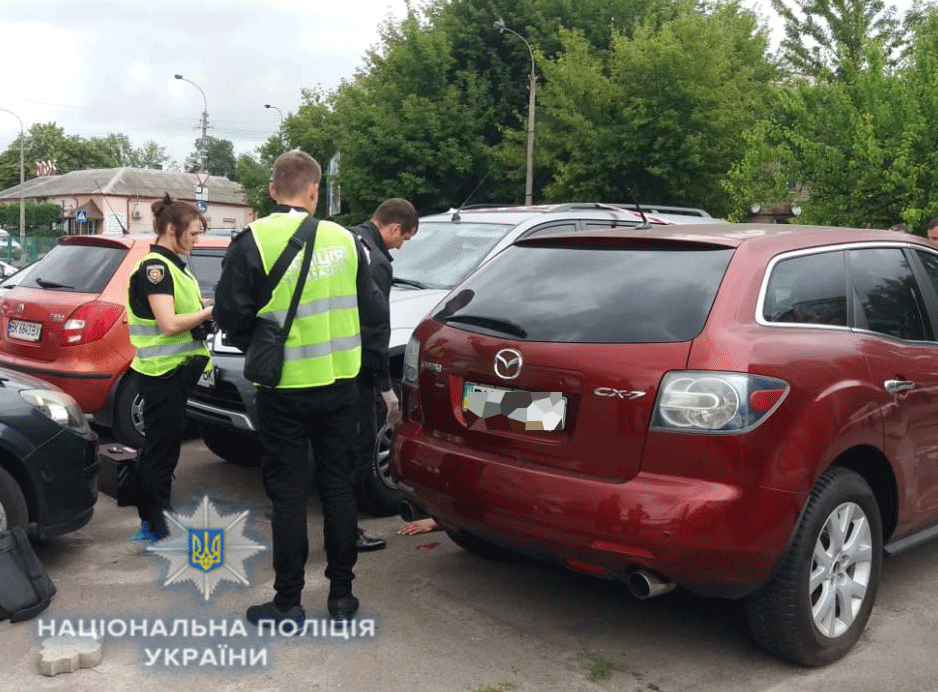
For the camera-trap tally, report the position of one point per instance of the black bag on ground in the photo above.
(25, 588)
(117, 473)
(263, 359)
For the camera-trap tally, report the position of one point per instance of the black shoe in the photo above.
(270, 611)
(343, 608)
(367, 543)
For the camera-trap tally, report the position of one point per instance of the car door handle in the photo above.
(898, 385)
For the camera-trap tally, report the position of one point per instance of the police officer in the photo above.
(165, 314)
(315, 398)
(392, 223)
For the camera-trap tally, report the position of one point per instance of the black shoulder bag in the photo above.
(263, 360)
(25, 587)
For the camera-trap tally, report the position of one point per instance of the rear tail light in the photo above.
(715, 401)
(411, 360)
(90, 322)
(411, 369)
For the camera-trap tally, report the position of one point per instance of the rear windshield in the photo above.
(596, 294)
(79, 268)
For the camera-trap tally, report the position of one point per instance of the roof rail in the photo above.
(647, 208)
(665, 209)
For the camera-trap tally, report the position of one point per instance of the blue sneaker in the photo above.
(143, 533)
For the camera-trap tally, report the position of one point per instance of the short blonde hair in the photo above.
(294, 171)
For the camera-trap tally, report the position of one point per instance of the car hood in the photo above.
(11, 379)
(408, 307)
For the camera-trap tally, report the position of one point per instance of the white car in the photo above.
(7, 269)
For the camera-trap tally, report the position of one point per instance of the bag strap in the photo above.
(305, 231)
(304, 270)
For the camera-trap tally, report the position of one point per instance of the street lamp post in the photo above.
(202, 153)
(529, 177)
(22, 191)
(267, 105)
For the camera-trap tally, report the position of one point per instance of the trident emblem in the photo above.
(206, 548)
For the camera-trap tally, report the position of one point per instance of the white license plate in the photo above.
(207, 378)
(530, 410)
(24, 331)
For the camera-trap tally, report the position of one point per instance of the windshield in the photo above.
(443, 253)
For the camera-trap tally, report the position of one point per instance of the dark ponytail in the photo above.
(168, 211)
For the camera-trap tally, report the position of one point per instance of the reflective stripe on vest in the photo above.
(158, 353)
(324, 344)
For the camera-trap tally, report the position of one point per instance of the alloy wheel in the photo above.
(840, 569)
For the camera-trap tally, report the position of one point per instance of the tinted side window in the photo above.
(80, 268)
(929, 261)
(590, 293)
(811, 289)
(206, 267)
(886, 295)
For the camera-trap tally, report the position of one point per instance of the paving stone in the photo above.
(68, 654)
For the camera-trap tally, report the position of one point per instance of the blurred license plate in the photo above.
(24, 331)
(532, 410)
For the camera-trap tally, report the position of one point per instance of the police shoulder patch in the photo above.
(155, 273)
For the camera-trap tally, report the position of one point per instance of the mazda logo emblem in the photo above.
(508, 363)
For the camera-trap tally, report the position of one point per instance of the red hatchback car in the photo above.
(62, 319)
(741, 410)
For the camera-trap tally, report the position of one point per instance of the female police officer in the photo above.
(165, 314)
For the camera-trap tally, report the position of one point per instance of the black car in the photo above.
(48, 458)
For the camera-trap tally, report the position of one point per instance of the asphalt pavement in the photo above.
(437, 619)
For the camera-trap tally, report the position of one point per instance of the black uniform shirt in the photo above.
(376, 337)
(152, 278)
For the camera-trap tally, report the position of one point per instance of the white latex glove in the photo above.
(393, 407)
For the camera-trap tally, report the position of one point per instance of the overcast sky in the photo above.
(100, 66)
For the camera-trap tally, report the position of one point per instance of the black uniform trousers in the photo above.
(366, 443)
(164, 420)
(291, 419)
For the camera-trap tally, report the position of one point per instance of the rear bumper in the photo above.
(710, 537)
(90, 388)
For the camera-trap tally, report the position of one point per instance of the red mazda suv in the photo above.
(744, 411)
(63, 320)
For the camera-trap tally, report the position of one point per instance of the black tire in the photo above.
(236, 448)
(13, 510)
(781, 616)
(382, 498)
(128, 414)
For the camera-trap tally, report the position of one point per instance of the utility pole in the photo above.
(203, 151)
(532, 85)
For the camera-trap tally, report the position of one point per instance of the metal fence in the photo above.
(36, 247)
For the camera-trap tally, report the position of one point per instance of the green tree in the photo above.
(254, 177)
(45, 141)
(863, 143)
(41, 218)
(219, 158)
(659, 113)
(822, 37)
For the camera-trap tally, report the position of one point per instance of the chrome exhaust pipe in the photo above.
(410, 511)
(644, 584)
